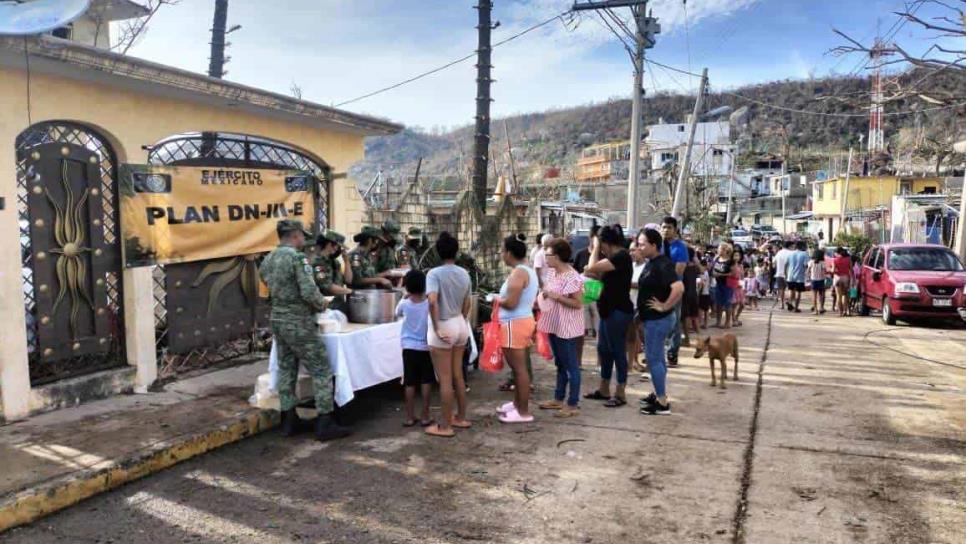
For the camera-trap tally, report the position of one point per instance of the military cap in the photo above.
(415, 232)
(330, 236)
(371, 232)
(285, 226)
(391, 226)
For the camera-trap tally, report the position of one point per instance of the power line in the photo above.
(452, 63)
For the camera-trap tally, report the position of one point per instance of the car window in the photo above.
(923, 258)
(873, 257)
(739, 232)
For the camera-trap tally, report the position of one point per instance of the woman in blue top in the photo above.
(517, 326)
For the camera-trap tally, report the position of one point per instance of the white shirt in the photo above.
(781, 261)
(636, 270)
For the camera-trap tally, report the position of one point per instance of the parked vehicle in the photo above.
(579, 239)
(766, 232)
(743, 238)
(913, 281)
(830, 252)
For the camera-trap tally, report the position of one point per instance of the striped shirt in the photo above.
(556, 318)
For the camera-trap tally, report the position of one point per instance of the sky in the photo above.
(337, 50)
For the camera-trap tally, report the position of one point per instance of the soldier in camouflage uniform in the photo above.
(328, 269)
(295, 300)
(360, 260)
(386, 258)
(414, 248)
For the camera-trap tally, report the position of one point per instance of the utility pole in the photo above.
(731, 191)
(686, 165)
(216, 64)
(845, 191)
(644, 38)
(960, 147)
(481, 147)
(781, 187)
(509, 152)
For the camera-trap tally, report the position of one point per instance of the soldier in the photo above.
(414, 248)
(360, 260)
(295, 300)
(330, 276)
(386, 258)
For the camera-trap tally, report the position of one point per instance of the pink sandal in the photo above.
(514, 417)
(505, 408)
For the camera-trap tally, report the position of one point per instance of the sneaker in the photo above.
(672, 360)
(657, 409)
(506, 407)
(650, 399)
(514, 417)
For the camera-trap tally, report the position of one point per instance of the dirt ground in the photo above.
(839, 430)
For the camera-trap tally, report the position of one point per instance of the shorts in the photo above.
(417, 368)
(818, 286)
(517, 334)
(843, 282)
(456, 328)
(704, 302)
(798, 286)
(780, 282)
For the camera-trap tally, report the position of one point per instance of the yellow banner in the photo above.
(176, 214)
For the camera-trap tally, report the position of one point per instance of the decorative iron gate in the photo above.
(209, 311)
(70, 254)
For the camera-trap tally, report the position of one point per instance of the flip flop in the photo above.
(551, 405)
(515, 417)
(567, 412)
(426, 422)
(615, 402)
(596, 395)
(434, 430)
(460, 424)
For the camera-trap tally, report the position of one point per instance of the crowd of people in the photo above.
(651, 291)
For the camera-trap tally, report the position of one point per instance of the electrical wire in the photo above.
(810, 112)
(454, 62)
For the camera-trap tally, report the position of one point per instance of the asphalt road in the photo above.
(839, 430)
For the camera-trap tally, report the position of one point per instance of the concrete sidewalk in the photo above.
(55, 460)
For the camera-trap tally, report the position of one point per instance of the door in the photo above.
(873, 290)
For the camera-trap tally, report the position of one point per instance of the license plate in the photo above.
(943, 302)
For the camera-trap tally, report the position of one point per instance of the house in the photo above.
(869, 198)
(712, 154)
(605, 162)
(66, 96)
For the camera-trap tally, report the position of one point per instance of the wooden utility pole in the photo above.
(481, 147)
(644, 38)
(509, 152)
(686, 165)
(216, 64)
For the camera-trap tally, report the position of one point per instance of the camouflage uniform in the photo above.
(386, 258)
(361, 263)
(328, 272)
(295, 300)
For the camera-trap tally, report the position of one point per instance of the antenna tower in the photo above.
(876, 140)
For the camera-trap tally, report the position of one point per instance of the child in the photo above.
(816, 273)
(761, 272)
(751, 289)
(417, 364)
(704, 294)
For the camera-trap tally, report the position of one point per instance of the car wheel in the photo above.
(887, 316)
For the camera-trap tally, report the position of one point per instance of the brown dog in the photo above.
(719, 347)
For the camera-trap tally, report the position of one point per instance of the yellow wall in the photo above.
(865, 192)
(129, 120)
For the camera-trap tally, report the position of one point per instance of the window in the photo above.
(718, 152)
(924, 258)
(680, 128)
(63, 32)
(835, 189)
(821, 190)
(928, 190)
(905, 187)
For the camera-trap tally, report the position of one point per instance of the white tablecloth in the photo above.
(361, 356)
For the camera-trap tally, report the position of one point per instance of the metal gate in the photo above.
(70, 254)
(207, 312)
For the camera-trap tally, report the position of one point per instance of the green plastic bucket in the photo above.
(592, 289)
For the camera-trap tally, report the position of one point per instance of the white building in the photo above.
(712, 154)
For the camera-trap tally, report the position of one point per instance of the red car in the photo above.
(913, 281)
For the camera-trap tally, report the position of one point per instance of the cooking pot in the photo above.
(372, 306)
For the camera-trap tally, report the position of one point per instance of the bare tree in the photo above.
(131, 31)
(295, 90)
(937, 58)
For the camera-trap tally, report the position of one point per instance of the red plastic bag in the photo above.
(543, 345)
(491, 360)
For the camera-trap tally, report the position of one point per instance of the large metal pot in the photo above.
(372, 306)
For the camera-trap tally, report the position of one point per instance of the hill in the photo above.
(555, 137)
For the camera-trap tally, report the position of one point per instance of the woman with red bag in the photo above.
(562, 318)
(517, 325)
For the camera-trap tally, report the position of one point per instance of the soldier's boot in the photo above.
(292, 424)
(327, 429)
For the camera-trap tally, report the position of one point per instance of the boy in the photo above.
(417, 364)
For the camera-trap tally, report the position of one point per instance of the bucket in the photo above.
(592, 289)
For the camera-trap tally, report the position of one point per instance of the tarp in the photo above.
(174, 214)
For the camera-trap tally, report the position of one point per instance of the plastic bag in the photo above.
(592, 290)
(543, 345)
(491, 360)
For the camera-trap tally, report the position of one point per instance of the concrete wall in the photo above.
(128, 120)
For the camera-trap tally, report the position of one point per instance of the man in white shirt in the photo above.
(781, 275)
(539, 258)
